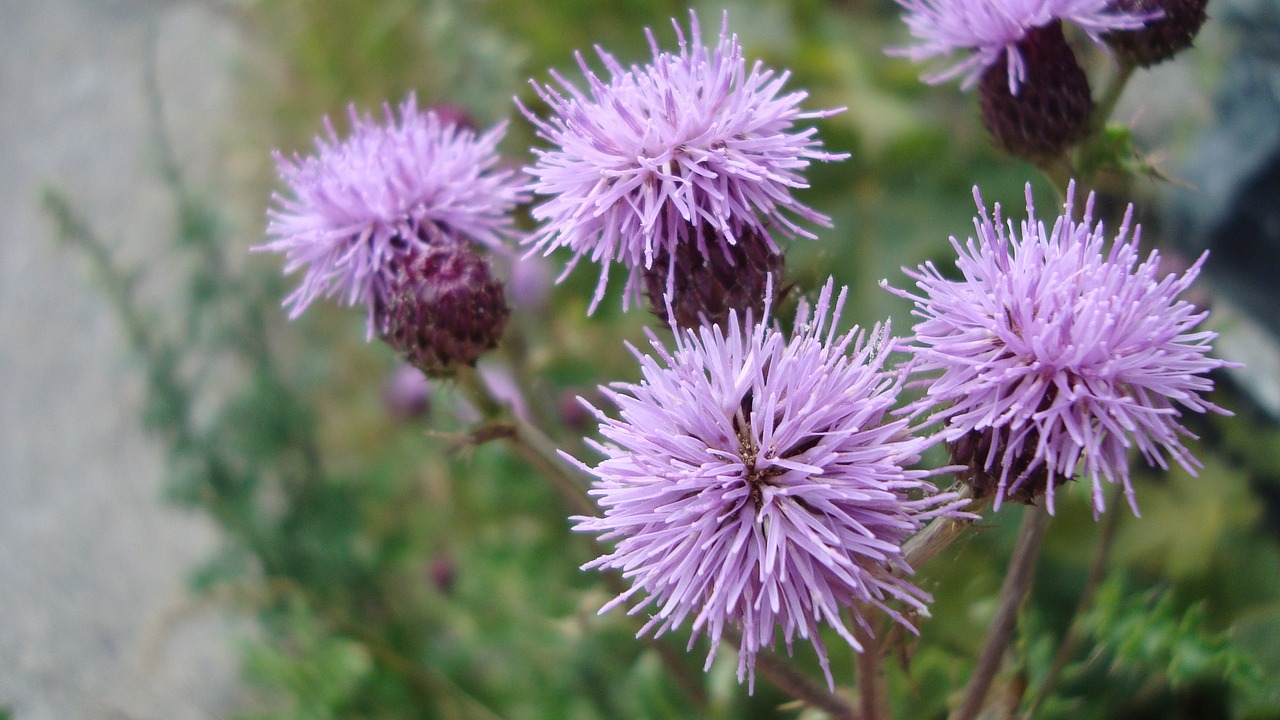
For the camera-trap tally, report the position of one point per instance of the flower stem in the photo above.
(1110, 97)
(938, 534)
(1097, 567)
(530, 443)
(873, 686)
(1014, 590)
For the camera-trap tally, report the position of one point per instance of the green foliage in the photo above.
(1151, 636)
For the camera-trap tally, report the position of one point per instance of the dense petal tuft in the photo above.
(692, 148)
(757, 481)
(1055, 354)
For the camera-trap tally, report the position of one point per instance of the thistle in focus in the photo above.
(1035, 96)
(1055, 354)
(682, 170)
(1163, 37)
(370, 219)
(756, 481)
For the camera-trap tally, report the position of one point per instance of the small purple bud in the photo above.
(455, 115)
(443, 573)
(708, 284)
(407, 393)
(574, 416)
(1162, 37)
(443, 307)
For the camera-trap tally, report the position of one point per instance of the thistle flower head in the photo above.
(1055, 353)
(756, 481)
(359, 205)
(989, 32)
(692, 148)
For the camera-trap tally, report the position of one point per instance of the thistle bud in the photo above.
(707, 285)
(1162, 37)
(982, 472)
(443, 308)
(1051, 109)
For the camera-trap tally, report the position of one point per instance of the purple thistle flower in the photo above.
(360, 205)
(691, 148)
(755, 481)
(1055, 354)
(990, 31)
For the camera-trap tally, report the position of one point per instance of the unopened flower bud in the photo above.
(443, 308)
(1162, 37)
(707, 285)
(1051, 109)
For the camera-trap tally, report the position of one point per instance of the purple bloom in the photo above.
(990, 30)
(755, 481)
(360, 204)
(691, 148)
(1055, 354)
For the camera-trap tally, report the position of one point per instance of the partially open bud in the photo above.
(1051, 109)
(443, 307)
(973, 451)
(707, 286)
(1162, 37)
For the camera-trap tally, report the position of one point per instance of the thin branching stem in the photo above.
(1097, 568)
(1012, 593)
(873, 684)
(534, 447)
(939, 533)
(1110, 97)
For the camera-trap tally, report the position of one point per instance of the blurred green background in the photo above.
(399, 572)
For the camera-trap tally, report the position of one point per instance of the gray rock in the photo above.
(97, 622)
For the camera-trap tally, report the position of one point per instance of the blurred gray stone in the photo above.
(1232, 204)
(95, 619)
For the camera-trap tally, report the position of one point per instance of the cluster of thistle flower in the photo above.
(756, 480)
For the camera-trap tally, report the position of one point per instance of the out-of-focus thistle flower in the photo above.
(1035, 96)
(1162, 38)
(673, 169)
(1055, 354)
(355, 212)
(990, 33)
(406, 393)
(756, 481)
